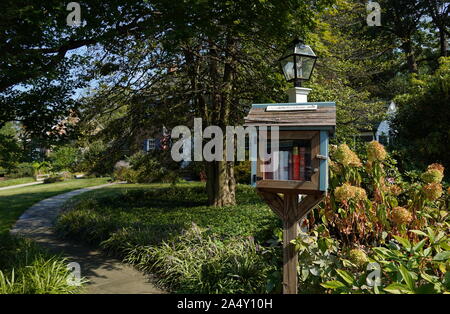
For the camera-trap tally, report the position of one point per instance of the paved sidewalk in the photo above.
(20, 185)
(106, 275)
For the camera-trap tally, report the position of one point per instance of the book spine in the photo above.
(285, 168)
(276, 164)
(290, 166)
(267, 168)
(295, 164)
(302, 153)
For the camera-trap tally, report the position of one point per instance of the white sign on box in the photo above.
(291, 108)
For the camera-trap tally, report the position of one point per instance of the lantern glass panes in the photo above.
(298, 62)
(305, 66)
(287, 65)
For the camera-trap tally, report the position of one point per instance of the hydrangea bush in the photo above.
(374, 218)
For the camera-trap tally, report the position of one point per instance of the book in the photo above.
(290, 166)
(267, 168)
(276, 165)
(295, 164)
(284, 165)
(302, 153)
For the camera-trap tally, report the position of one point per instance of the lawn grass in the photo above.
(14, 202)
(17, 181)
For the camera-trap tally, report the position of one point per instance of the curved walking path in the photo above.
(105, 274)
(20, 185)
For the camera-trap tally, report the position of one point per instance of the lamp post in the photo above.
(297, 63)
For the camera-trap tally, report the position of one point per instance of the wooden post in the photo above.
(290, 211)
(290, 232)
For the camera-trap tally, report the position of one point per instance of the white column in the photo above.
(298, 94)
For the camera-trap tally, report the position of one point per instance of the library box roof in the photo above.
(296, 116)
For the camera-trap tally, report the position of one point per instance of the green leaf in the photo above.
(447, 280)
(431, 234)
(333, 284)
(405, 242)
(419, 245)
(346, 276)
(397, 288)
(442, 256)
(419, 233)
(407, 277)
(426, 289)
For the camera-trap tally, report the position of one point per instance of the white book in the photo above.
(276, 165)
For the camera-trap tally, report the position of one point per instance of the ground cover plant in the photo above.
(372, 214)
(26, 268)
(169, 230)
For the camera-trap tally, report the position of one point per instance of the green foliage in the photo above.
(423, 117)
(22, 170)
(197, 263)
(147, 168)
(242, 172)
(406, 267)
(53, 179)
(64, 158)
(25, 268)
(10, 150)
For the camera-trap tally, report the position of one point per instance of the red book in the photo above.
(295, 164)
(302, 153)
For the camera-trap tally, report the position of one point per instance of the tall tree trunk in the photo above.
(221, 184)
(443, 43)
(410, 57)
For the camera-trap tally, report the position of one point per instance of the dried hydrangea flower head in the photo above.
(334, 167)
(376, 151)
(400, 215)
(395, 190)
(348, 192)
(358, 257)
(432, 176)
(437, 167)
(432, 191)
(345, 156)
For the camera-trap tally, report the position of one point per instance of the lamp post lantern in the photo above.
(298, 63)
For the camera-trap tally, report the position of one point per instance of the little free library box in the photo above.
(293, 177)
(300, 165)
